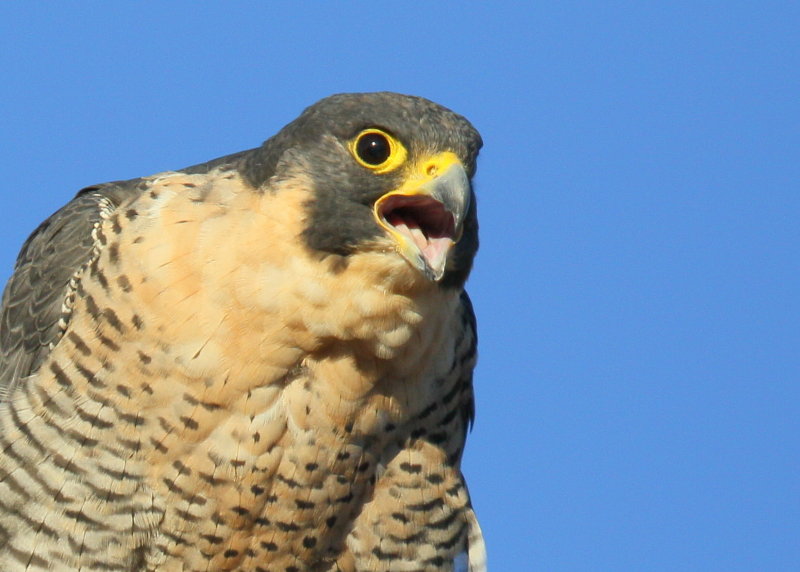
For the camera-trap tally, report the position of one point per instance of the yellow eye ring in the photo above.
(378, 151)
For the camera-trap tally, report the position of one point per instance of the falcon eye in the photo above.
(373, 148)
(377, 150)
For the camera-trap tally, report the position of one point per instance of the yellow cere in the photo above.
(427, 169)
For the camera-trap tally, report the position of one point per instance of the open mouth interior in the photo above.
(421, 218)
(429, 225)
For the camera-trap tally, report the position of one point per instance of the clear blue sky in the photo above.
(638, 283)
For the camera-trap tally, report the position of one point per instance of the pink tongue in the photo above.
(412, 230)
(434, 250)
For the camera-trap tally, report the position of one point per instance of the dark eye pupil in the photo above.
(373, 148)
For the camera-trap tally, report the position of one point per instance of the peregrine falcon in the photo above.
(262, 362)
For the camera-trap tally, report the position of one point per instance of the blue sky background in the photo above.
(639, 190)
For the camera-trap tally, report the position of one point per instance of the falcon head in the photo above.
(389, 172)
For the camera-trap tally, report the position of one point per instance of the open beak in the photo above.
(425, 215)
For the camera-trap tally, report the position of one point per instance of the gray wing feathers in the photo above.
(35, 301)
